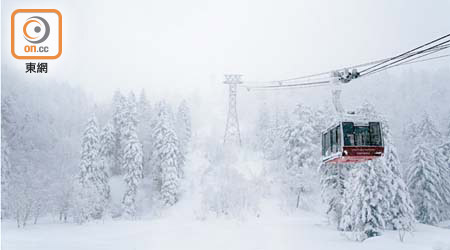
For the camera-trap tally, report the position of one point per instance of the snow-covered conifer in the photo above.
(431, 138)
(6, 164)
(299, 151)
(132, 157)
(401, 209)
(424, 185)
(145, 116)
(442, 159)
(89, 152)
(298, 140)
(144, 108)
(444, 150)
(399, 213)
(167, 154)
(92, 176)
(448, 129)
(265, 132)
(364, 202)
(107, 146)
(133, 168)
(332, 180)
(119, 112)
(5, 176)
(131, 115)
(106, 159)
(183, 126)
(427, 131)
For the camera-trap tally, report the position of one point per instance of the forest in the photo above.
(66, 159)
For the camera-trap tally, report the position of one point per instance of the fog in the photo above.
(183, 47)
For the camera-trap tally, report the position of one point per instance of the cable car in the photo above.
(352, 142)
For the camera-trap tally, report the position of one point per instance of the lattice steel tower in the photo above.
(232, 133)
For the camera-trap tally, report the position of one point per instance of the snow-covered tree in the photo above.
(130, 115)
(167, 156)
(270, 128)
(92, 176)
(144, 108)
(263, 128)
(410, 131)
(6, 167)
(226, 192)
(107, 146)
(132, 158)
(63, 198)
(448, 129)
(133, 168)
(169, 173)
(445, 170)
(430, 138)
(399, 214)
(145, 116)
(332, 180)
(6, 164)
(442, 159)
(81, 208)
(183, 126)
(5, 176)
(119, 113)
(364, 201)
(89, 152)
(299, 148)
(299, 151)
(105, 161)
(427, 131)
(125, 119)
(424, 185)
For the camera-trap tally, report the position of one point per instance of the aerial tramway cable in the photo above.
(431, 50)
(421, 46)
(376, 66)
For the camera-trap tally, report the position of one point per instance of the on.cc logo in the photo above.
(39, 24)
(36, 34)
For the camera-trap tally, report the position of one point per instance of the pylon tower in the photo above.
(232, 133)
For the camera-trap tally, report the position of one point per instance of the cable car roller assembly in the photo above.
(351, 139)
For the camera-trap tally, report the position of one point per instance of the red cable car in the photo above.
(362, 141)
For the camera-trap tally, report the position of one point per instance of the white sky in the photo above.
(176, 47)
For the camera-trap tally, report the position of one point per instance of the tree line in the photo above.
(54, 165)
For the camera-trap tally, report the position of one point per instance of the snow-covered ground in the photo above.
(180, 227)
(302, 231)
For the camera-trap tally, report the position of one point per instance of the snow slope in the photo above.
(302, 231)
(179, 228)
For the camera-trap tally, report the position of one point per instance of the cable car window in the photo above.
(330, 146)
(348, 130)
(338, 136)
(327, 141)
(333, 140)
(362, 136)
(330, 140)
(375, 133)
(324, 145)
